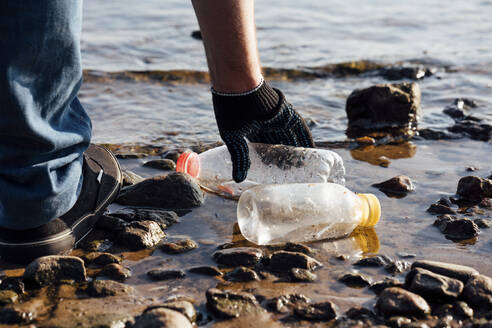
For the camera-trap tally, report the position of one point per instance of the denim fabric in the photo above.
(43, 128)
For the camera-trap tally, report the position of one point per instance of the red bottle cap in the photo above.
(189, 162)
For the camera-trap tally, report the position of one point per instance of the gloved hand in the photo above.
(280, 126)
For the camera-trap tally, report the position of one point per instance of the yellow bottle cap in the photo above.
(371, 210)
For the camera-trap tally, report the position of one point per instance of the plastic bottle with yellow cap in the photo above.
(303, 212)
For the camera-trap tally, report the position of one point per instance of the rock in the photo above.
(181, 246)
(474, 188)
(472, 129)
(161, 164)
(97, 245)
(172, 155)
(478, 292)
(396, 301)
(460, 272)
(49, 270)
(431, 134)
(440, 209)
(396, 186)
(384, 106)
(166, 274)
(434, 286)
(245, 256)
(129, 155)
(162, 317)
(457, 229)
(360, 313)
(116, 271)
(316, 312)
(454, 112)
(12, 316)
(292, 247)
(130, 178)
(387, 282)
(206, 270)
(405, 255)
(458, 310)
(108, 222)
(175, 190)
(282, 260)
(103, 288)
(302, 275)
(100, 258)
(8, 297)
(183, 307)
(397, 267)
(165, 219)
(226, 304)
(284, 303)
(486, 202)
(404, 72)
(483, 223)
(196, 35)
(355, 280)
(374, 261)
(141, 234)
(241, 274)
(14, 284)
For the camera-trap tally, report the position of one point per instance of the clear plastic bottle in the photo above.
(270, 164)
(303, 212)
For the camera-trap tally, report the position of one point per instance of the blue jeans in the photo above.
(44, 130)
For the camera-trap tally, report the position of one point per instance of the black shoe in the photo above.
(102, 182)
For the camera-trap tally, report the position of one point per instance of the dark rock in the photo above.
(404, 72)
(175, 190)
(458, 310)
(396, 301)
(381, 285)
(206, 270)
(282, 260)
(108, 222)
(116, 271)
(103, 288)
(360, 313)
(178, 247)
(173, 155)
(226, 304)
(292, 247)
(457, 229)
(385, 106)
(431, 134)
(245, 256)
(162, 317)
(12, 316)
(472, 129)
(196, 35)
(49, 270)
(445, 201)
(182, 306)
(460, 272)
(397, 267)
(440, 209)
(141, 234)
(166, 274)
(129, 155)
(405, 255)
(14, 284)
(396, 186)
(8, 297)
(285, 303)
(486, 202)
(130, 178)
(400, 322)
(100, 258)
(241, 274)
(316, 312)
(165, 219)
(374, 261)
(478, 292)
(355, 280)
(474, 188)
(454, 112)
(483, 223)
(302, 275)
(434, 286)
(161, 164)
(97, 245)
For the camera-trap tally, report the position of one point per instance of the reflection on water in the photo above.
(380, 154)
(361, 242)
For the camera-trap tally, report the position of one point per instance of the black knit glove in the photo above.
(281, 125)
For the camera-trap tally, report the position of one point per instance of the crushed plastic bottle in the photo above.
(303, 212)
(270, 164)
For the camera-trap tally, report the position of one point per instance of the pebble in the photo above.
(49, 270)
(166, 274)
(396, 301)
(245, 256)
(99, 258)
(108, 222)
(227, 304)
(457, 228)
(103, 288)
(283, 260)
(458, 310)
(486, 203)
(438, 209)
(241, 274)
(483, 223)
(374, 261)
(161, 164)
(165, 219)
(175, 190)
(178, 247)
(397, 267)
(355, 280)
(474, 188)
(387, 282)
(141, 234)
(323, 311)
(285, 303)
(206, 270)
(182, 306)
(460, 272)
(397, 186)
(434, 286)
(302, 275)
(360, 313)
(162, 317)
(478, 292)
(8, 297)
(472, 128)
(116, 271)
(292, 247)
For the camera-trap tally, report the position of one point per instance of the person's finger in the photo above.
(238, 148)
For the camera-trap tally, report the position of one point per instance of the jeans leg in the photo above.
(43, 127)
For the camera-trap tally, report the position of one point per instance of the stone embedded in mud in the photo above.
(166, 274)
(99, 258)
(381, 285)
(473, 129)
(478, 292)
(323, 311)
(355, 280)
(14, 284)
(165, 219)
(116, 271)
(13, 316)
(108, 222)
(396, 186)
(302, 275)
(384, 106)
(175, 190)
(162, 317)
(460, 272)
(103, 288)
(379, 260)
(130, 178)
(397, 267)
(241, 274)
(182, 306)
(474, 188)
(396, 301)
(8, 297)
(178, 247)
(206, 270)
(245, 256)
(282, 260)
(292, 247)
(161, 164)
(437, 209)
(141, 234)
(435, 286)
(457, 229)
(284, 303)
(360, 313)
(458, 310)
(226, 304)
(483, 223)
(48, 270)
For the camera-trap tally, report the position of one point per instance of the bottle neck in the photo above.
(371, 210)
